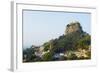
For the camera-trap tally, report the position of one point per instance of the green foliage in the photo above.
(72, 57)
(27, 54)
(66, 42)
(47, 56)
(84, 42)
(46, 46)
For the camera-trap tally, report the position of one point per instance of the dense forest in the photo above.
(74, 44)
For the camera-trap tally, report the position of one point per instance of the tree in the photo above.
(48, 56)
(46, 46)
(84, 42)
(29, 54)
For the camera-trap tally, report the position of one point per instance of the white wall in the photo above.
(5, 36)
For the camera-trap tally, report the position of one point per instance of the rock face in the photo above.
(73, 27)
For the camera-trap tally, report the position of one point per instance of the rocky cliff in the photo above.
(73, 27)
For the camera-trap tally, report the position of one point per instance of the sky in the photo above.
(42, 26)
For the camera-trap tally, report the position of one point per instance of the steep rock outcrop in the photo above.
(73, 27)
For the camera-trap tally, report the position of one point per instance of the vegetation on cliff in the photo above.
(74, 44)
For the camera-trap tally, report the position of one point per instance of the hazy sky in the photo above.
(41, 26)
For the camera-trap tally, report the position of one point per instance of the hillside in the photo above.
(74, 44)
